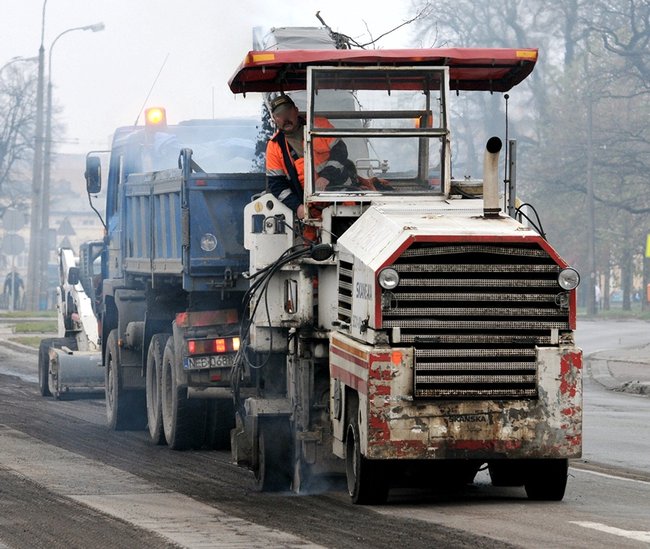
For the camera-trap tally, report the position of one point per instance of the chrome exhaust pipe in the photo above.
(490, 178)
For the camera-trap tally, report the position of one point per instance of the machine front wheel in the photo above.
(546, 479)
(274, 463)
(367, 483)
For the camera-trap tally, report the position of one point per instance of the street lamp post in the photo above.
(35, 236)
(45, 195)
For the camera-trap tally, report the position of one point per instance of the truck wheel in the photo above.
(125, 410)
(183, 419)
(44, 366)
(507, 472)
(274, 472)
(220, 421)
(367, 483)
(154, 387)
(546, 479)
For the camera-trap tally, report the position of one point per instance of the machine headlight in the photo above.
(388, 278)
(208, 242)
(568, 279)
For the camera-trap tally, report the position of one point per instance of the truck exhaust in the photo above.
(490, 177)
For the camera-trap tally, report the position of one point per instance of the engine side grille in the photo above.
(474, 314)
(345, 292)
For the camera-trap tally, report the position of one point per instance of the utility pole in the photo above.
(47, 163)
(34, 267)
(591, 216)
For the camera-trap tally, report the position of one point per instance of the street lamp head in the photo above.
(95, 28)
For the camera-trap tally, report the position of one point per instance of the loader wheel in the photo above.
(367, 481)
(220, 421)
(183, 419)
(274, 472)
(154, 387)
(125, 409)
(546, 479)
(44, 367)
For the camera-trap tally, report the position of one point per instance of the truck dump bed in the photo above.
(170, 216)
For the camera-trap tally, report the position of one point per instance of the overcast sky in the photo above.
(101, 79)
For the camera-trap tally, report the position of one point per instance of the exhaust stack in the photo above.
(490, 178)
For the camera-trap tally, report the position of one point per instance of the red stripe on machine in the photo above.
(349, 379)
(349, 357)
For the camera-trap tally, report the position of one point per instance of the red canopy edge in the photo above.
(487, 69)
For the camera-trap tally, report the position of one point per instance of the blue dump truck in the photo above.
(168, 301)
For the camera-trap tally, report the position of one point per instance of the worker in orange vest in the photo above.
(285, 162)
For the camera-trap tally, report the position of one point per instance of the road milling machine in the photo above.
(424, 333)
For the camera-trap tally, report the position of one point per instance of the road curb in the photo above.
(18, 347)
(599, 371)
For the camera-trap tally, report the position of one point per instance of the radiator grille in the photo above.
(474, 314)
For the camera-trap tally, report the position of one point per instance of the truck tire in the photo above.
(125, 409)
(367, 481)
(546, 479)
(44, 360)
(274, 472)
(154, 387)
(220, 421)
(183, 419)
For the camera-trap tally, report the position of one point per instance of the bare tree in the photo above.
(17, 118)
(594, 66)
(624, 27)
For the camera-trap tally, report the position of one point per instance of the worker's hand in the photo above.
(321, 184)
(300, 212)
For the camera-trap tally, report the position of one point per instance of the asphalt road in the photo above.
(68, 481)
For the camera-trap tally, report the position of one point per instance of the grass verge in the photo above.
(28, 314)
(36, 327)
(30, 341)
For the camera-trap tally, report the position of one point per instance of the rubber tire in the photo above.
(366, 479)
(184, 419)
(546, 479)
(125, 409)
(507, 472)
(44, 366)
(274, 472)
(154, 388)
(220, 421)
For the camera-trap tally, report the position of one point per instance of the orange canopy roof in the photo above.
(489, 69)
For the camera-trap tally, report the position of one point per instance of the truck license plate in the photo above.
(206, 362)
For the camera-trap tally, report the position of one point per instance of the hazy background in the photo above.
(581, 120)
(101, 79)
